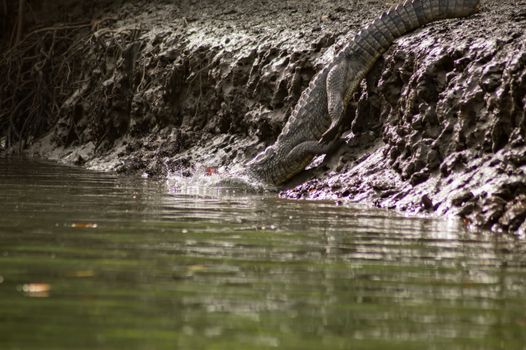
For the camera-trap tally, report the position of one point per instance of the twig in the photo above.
(60, 27)
(94, 24)
(12, 35)
(32, 12)
(20, 25)
(198, 103)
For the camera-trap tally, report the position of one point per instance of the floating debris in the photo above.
(36, 290)
(84, 225)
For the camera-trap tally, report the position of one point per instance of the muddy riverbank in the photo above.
(158, 87)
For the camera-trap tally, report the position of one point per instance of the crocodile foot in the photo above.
(332, 133)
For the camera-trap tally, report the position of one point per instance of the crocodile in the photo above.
(316, 121)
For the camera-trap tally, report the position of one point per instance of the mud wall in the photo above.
(151, 88)
(145, 81)
(440, 127)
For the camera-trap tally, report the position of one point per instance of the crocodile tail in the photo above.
(375, 39)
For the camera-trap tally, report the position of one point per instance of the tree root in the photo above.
(37, 73)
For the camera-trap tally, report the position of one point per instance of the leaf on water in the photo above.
(83, 225)
(83, 273)
(196, 268)
(36, 290)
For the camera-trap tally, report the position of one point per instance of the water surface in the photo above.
(97, 261)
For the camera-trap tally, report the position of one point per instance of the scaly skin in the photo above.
(317, 117)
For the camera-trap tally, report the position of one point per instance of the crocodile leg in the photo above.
(302, 154)
(310, 148)
(336, 104)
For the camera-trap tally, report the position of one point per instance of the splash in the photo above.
(209, 180)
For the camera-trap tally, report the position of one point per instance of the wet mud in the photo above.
(157, 88)
(439, 127)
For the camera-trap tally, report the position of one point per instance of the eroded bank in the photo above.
(158, 87)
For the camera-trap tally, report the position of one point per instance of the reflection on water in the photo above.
(91, 260)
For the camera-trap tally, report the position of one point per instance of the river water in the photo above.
(98, 261)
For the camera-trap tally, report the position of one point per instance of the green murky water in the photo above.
(94, 261)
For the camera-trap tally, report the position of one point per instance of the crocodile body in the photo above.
(316, 118)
